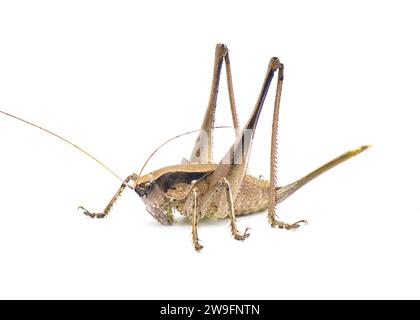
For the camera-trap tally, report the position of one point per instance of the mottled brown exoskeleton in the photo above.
(201, 188)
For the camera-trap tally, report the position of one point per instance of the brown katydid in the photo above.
(201, 188)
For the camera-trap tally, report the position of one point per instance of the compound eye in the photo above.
(140, 189)
(148, 187)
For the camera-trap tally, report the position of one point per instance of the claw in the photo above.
(92, 215)
(295, 225)
(288, 226)
(243, 236)
(198, 246)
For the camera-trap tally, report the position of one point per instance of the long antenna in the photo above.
(65, 140)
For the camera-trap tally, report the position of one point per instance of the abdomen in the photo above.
(253, 196)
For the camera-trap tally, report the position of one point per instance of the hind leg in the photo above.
(203, 148)
(273, 164)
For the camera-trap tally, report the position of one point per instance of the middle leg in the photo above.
(194, 223)
(231, 211)
(214, 202)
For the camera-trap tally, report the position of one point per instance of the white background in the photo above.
(119, 77)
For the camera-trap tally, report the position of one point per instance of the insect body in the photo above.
(201, 188)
